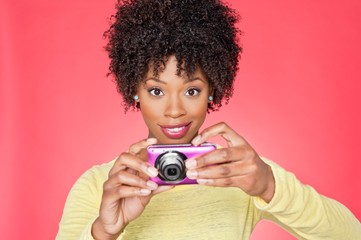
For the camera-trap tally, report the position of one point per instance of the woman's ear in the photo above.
(211, 96)
(136, 101)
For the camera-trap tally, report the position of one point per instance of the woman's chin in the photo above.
(183, 140)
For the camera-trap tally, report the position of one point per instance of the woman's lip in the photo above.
(175, 125)
(175, 131)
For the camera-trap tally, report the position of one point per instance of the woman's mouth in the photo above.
(175, 131)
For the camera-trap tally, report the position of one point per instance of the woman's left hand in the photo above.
(237, 165)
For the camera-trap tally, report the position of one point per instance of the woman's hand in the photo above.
(126, 192)
(238, 165)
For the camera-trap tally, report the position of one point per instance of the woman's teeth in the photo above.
(175, 129)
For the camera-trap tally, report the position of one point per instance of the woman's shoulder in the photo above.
(98, 172)
(94, 177)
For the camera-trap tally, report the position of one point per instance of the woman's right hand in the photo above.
(126, 192)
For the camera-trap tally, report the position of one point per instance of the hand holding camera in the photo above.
(237, 165)
(126, 192)
(134, 178)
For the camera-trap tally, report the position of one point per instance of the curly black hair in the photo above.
(199, 33)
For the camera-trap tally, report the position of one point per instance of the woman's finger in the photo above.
(246, 182)
(128, 160)
(220, 182)
(136, 148)
(124, 191)
(129, 179)
(163, 189)
(226, 170)
(219, 129)
(218, 156)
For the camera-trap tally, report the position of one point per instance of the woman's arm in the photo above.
(277, 193)
(301, 210)
(82, 205)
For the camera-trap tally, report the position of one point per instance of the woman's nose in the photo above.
(175, 107)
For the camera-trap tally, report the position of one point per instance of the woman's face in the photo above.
(173, 107)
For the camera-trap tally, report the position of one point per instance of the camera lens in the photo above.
(171, 166)
(172, 172)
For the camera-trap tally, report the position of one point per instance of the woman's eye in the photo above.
(192, 92)
(156, 92)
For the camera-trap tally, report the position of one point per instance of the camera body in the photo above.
(170, 161)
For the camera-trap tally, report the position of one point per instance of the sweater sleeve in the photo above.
(82, 206)
(305, 213)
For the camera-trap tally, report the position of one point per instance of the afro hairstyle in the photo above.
(199, 33)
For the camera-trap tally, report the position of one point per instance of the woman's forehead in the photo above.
(169, 66)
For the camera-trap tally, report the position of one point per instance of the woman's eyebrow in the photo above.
(187, 80)
(155, 79)
(194, 79)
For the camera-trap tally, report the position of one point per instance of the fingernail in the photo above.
(196, 140)
(152, 171)
(191, 163)
(192, 174)
(203, 181)
(151, 140)
(152, 185)
(144, 191)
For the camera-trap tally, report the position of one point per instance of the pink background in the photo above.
(297, 101)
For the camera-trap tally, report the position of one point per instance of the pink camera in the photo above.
(170, 161)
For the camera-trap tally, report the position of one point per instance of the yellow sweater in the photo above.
(201, 212)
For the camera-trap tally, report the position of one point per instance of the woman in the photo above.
(176, 60)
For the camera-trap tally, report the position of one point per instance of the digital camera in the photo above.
(170, 161)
